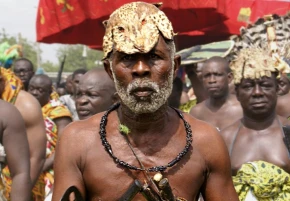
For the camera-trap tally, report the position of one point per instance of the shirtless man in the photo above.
(56, 117)
(96, 93)
(221, 109)
(30, 111)
(255, 142)
(143, 72)
(14, 140)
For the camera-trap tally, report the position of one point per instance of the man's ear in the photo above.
(230, 77)
(107, 66)
(177, 62)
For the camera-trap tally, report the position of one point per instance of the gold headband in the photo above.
(135, 27)
(254, 63)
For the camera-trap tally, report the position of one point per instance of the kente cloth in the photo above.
(54, 95)
(69, 102)
(12, 85)
(37, 191)
(186, 107)
(267, 182)
(52, 110)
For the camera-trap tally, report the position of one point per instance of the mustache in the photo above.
(143, 83)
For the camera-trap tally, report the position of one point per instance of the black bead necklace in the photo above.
(161, 168)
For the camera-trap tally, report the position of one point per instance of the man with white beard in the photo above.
(139, 145)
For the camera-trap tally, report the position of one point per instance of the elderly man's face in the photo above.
(92, 97)
(144, 81)
(259, 96)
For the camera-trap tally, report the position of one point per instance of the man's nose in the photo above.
(141, 69)
(212, 79)
(21, 73)
(257, 90)
(33, 92)
(83, 100)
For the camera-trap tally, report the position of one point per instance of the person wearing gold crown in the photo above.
(257, 143)
(141, 149)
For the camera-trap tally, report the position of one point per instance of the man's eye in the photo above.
(153, 56)
(127, 57)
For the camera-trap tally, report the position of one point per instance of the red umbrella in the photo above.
(80, 22)
(196, 21)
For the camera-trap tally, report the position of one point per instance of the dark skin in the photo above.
(24, 71)
(284, 85)
(30, 111)
(61, 91)
(14, 139)
(95, 93)
(283, 107)
(260, 128)
(69, 85)
(220, 104)
(76, 81)
(40, 87)
(193, 72)
(154, 141)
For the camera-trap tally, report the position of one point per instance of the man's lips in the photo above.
(84, 112)
(212, 88)
(142, 91)
(258, 104)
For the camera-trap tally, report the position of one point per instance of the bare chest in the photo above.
(220, 118)
(107, 180)
(253, 147)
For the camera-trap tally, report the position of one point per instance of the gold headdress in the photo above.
(135, 27)
(268, 38)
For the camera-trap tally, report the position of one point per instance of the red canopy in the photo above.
(196, 21)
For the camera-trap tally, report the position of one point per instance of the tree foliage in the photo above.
(74, 57)
(29, 48)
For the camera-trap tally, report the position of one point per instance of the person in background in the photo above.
(30, 111)
(69, 99)
(61, 91)
(23, 68)
(95, 94)
(221, 109)
(14, 151)
(56, 117)
(259, 157)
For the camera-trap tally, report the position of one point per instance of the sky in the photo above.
(19, 16)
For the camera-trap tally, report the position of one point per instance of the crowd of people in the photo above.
(135, 131)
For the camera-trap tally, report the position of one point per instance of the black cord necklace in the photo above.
(161, 168)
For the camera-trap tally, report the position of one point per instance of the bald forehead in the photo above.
(41, 80)
(96, 76)
(216, 63)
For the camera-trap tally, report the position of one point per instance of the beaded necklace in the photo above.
(161, 168)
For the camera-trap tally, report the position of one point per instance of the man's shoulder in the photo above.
(206, 139)
(7, 109)
(196, 110)
(81, 134)
(85, 127)
(202, 130)
(25, 102)
(228, 133)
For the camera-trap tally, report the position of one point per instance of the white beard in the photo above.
(148, 105)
